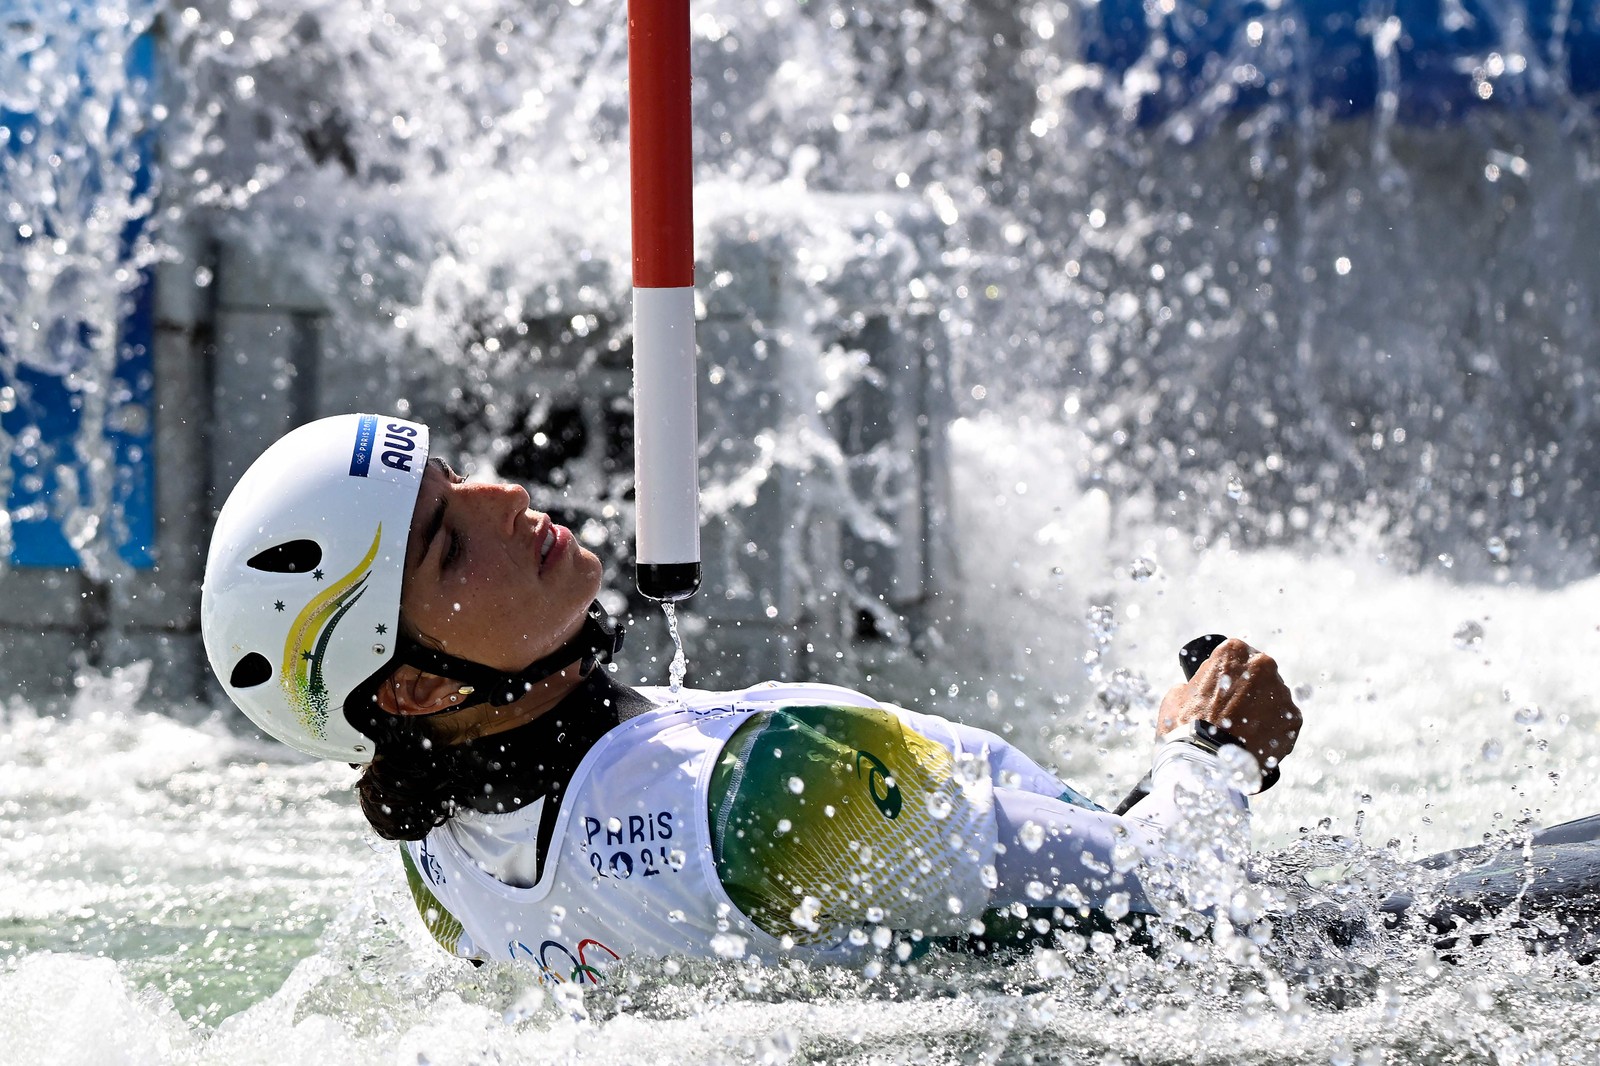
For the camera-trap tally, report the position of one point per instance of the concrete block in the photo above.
(259, 355)
(37, 666)
(881, 428)
(168, 596)
(177, 665)
(39, 598)
(743, 272)
(345, 385)
(749, 559)
(157, 599)
(737, 654)
(180, 300)
(252, 279)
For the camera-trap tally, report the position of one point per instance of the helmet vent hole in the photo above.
(252, 670)
(294, 557)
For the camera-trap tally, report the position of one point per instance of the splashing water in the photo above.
(680, 663)
(1302, 363)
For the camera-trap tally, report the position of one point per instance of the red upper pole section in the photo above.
(659, 144)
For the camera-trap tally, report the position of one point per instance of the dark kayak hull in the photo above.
(1546, 892)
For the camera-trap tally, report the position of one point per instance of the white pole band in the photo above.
(666, 437)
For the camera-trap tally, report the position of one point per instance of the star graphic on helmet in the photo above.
(381, 628)
(317, 574)
(307, 656)
(278, 606)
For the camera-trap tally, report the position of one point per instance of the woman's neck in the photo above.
(486, 720)
(506, 770)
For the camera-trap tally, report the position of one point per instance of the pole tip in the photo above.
(668, 581)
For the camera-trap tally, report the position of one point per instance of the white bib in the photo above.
(631, 868)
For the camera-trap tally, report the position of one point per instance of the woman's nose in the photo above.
(512, 497)
(507, 497)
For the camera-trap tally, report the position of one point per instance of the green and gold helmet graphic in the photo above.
(309, 638)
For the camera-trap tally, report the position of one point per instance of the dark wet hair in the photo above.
(416, 782)
(413, 783)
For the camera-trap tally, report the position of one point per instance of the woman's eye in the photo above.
(452, 550)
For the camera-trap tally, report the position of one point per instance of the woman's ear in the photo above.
(410, 691)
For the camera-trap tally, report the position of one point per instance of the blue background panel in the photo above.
(45, 418)
(1321, 51)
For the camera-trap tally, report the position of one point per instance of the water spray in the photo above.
(665, 431)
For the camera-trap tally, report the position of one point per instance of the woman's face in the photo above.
(489, 580)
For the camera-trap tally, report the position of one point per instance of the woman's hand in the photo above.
(1237, 689)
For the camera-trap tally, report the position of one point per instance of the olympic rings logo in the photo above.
(581, 969)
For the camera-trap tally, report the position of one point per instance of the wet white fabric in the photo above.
(1054, 853)
(1006, 766)
(631, 869)
(504, 845)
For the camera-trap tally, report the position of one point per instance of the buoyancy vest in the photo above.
(631, 869)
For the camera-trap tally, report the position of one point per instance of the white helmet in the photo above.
(301, 599)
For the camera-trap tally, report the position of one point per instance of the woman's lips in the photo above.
(558, 547)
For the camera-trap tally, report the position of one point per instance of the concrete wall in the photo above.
(243, 359)
(55, 623)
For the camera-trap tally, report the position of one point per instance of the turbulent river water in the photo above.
(176, 894)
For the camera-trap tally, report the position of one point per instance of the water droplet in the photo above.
(728, 946)
(525, 1007)
(1468, 635)
(1492, 750)
(806, 913)
(1529, 715)
(1031, 836)
(1498, 551)
(1049, 965)
(1235, 487)
(1117, 906)
(1142, 568)
(1102, 623)
(796, 785)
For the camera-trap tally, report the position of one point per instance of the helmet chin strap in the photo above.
(596, 641)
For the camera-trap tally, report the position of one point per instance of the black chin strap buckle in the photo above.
(595, 643)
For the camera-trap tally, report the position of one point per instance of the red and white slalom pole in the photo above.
(665, 432)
